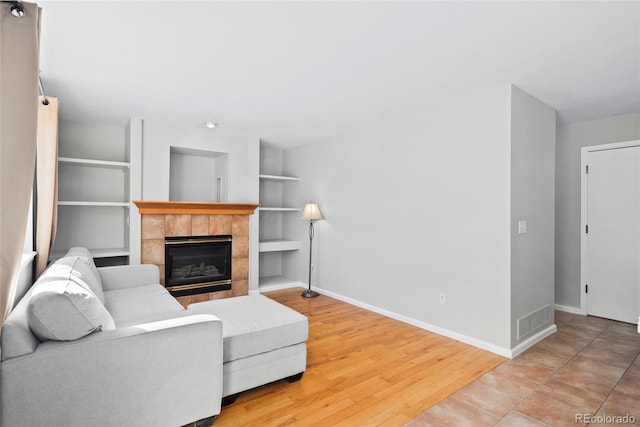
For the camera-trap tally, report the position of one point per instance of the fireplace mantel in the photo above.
(195, 208)
(162, 219)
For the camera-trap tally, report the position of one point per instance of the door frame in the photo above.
(584, 152)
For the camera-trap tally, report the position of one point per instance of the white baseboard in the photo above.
(268, 288)
(501, 351)
(520, 348)
(505, 352)
(568, 309)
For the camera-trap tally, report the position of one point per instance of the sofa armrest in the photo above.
(165, 373)
(126, 276)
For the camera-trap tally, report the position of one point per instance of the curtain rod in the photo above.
(45, 101)
(16, 9)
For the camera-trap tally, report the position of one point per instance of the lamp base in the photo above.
(310, 294)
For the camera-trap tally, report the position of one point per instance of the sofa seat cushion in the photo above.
(254, 324)
(62, 305)
(141, 304)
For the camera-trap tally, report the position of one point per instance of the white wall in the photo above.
(415, 207)
(570, 139)
(159, 138)
(91, 141)
(222, 174)
(533, 142)
(133, 154)
(243, 168)
(192, 176)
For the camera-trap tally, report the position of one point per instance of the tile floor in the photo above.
(589, 368)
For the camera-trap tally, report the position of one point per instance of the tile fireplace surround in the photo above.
(162, 219)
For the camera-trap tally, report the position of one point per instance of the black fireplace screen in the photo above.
(197, 264)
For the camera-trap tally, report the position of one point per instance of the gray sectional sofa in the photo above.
(110, 346)
(107, 347)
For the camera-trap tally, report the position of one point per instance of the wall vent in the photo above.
(533, 321)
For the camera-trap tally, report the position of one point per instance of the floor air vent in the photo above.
(533, 321)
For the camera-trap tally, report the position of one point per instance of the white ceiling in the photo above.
(295, 72)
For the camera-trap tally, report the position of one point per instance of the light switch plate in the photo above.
(522, 227)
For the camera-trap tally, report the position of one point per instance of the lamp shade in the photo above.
(311, 212)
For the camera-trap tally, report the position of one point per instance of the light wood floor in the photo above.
(363, 369)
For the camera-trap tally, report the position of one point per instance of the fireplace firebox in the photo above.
(197, 264)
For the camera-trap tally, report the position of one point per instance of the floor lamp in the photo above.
(312, 213)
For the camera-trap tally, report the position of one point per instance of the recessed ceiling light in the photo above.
(210, 125)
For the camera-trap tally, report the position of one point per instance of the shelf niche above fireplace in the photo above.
(198, 175)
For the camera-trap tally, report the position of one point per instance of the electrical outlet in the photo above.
(443, 299)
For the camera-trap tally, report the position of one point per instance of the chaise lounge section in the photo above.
(263, 341)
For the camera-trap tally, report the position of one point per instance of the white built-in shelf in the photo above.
(276, 282)
(107, 164)
(109, 252)
(91, 162)
(272, 186)
(96, 253)
(278, 245)
(274, 209)
(279, 178)
(83, 203)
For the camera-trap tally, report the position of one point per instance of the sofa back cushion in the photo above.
(87, 269)
(63, 307)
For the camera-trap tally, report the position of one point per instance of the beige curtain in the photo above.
(46, 180)
(19, 46)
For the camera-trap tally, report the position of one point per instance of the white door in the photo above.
(613, 235)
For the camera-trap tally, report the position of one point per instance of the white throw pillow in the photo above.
(64, 308)
(88, 258)
(84, 269)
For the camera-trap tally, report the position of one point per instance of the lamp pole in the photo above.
(312, 213)
(309, 293)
